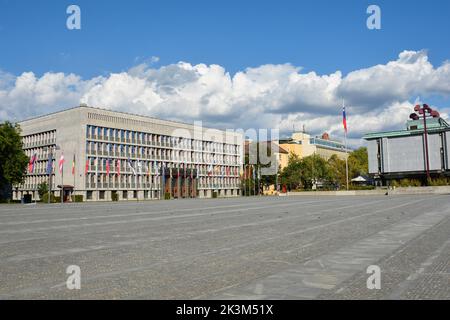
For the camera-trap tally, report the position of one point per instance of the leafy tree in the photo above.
(358, 162)
(315, 169)
(305, 172)
(42, 189)
(291, 175)
(13, 161)
(336, 168)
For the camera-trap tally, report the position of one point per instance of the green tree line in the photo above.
(13, 160)
(304, 173)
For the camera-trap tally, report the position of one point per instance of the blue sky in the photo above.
(311, 36)
(324, 36)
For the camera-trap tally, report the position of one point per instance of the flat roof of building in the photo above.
(403, 133)
(109, 110)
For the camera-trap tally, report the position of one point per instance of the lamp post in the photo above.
(424, 110)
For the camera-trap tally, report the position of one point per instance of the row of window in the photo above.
(141, 167)
(130, 151)
(39, 139)
(135, 137)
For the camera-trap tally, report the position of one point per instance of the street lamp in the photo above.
(425, 110)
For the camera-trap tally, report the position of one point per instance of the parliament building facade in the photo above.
(110, 154)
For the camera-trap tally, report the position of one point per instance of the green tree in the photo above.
(315, 169)
(336, 168)
(291, 175)
(358, 163)
(304, 172)
(42, 189)
(13, 161)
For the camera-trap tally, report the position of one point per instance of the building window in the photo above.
(89, 195)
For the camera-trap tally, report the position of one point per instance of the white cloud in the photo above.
(266, 96)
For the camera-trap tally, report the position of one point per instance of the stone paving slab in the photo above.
(312, 278)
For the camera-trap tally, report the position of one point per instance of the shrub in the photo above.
(45, 198)
(167, 196)
(441, 181)
(114, 196)
(77, 198)
(406, 183)
(214, 194)
(42, 189)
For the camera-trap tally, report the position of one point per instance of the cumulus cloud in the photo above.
(268, 96)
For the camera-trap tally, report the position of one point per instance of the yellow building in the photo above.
(303, 145)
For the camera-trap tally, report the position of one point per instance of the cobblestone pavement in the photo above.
(242, 248)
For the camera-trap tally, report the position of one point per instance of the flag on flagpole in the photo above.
(139, 166)
(61, 163)
(210, 169)
(86, 168)
(73, 165)
(49, 164)
(344, 119)
(31, 163)
(107, 167)
(131, 166)
(118, 167)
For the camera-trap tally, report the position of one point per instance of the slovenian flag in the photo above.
(344, 119)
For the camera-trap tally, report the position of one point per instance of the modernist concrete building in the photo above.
(302, 144)
(129, 156)
(403, 153)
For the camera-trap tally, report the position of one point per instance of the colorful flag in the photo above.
(139, 166)
(118, 167)
(210, 169)
(344, 119)
(131, 166)
(86, 168)
(61, 163)
(31, 163)
(73, 165)
(49, 164)
(107, 167)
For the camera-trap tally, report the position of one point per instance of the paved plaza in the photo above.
(242, 248)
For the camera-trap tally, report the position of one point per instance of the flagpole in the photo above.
(74, 174)
(62, 182)
(346, 149)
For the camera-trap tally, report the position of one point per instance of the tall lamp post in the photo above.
(425, 110)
